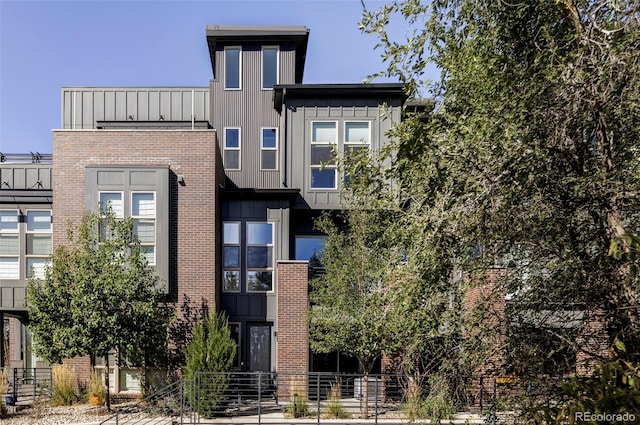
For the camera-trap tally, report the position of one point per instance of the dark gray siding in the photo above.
(82, 107)
(300, 113)
(250, 108)
(126, 180)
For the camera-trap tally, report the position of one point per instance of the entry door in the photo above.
(260, 348)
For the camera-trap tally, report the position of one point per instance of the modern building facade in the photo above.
(223, 182)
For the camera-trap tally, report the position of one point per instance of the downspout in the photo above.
(284, 138)
(193, 117)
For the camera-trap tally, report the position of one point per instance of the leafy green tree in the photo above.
(99, 296)
(530, 158)
(209, 357)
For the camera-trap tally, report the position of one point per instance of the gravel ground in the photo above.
(41, 414)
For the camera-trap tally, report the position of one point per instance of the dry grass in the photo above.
(63, 382)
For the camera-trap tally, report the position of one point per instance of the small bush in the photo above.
(96, 387)
(63, 381)
(334, 405)
(435, 406)
(298, 404)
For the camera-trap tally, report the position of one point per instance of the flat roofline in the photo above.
(281, 91)
(298, 35)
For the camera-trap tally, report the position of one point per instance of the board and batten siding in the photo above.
(83, 107)
(250, 109)
(300, 115)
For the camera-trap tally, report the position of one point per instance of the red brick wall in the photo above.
(292, 340)
(191, 153)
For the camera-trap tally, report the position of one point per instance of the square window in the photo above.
(112, 200)
(8, 220)
(259, 233)
(9, 268)
(323, 178)
(39, 244)
(149, 253)
(143, 204)
(259, 281)
(231, 232)
(231, 256)
(38, 221)
(323, 132)
(356, 132)
(9, 244)
(36, 267)
(259, 257)
(145, 230)
(322, 154)
(231, 281)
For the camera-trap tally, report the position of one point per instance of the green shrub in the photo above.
(334, 405)
(437, 405)
(63, 382)
(209, 356)
(96, 387)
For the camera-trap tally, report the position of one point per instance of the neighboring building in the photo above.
(224, 183)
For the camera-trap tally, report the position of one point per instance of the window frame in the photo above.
(237, 269)
(226, 68)
(16, 256)
(270, 267)
(102, 206)
(226, 149)
(262, 66)
(334, 145)
(45, 258)
(264, 149)
(153, 218)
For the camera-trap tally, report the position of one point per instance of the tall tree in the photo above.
(99, 296)
(531, 156)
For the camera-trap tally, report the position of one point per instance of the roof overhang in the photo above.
(298, 35)
(282, 91)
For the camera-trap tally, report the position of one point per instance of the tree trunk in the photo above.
(108, 396)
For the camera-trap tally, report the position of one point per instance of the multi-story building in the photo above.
(224, 183)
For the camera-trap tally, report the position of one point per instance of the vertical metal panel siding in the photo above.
(250, 108)
(141, 103)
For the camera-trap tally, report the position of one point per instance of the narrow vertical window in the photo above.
(323, 164)
(39, 243)
(231, 257)
(269, 149)
(232, 68)
(231, 148)
(269, 67)
(143, 213)
(259, 257)
(9, 245)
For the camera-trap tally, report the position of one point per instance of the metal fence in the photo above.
(26, 384)
(263, 397)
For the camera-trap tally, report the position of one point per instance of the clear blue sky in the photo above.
(46, 45)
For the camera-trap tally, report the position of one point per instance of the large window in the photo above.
(232, 148)
(39, 243)
(323, 166)
(259, 257)
(18, 260)
(232, 68)
(269, 149)
(143, 213)
(269, 67)
(231, 256)
(9, 245)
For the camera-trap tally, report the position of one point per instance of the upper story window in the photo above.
(269, 67)
(232, 68)
(324, 136)
(357, 135)
(259, 257)
(39, 242)
(231, 155)
(112, 200)
(269, 149)
(143, 213)
(231, 256)
(9, 245)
